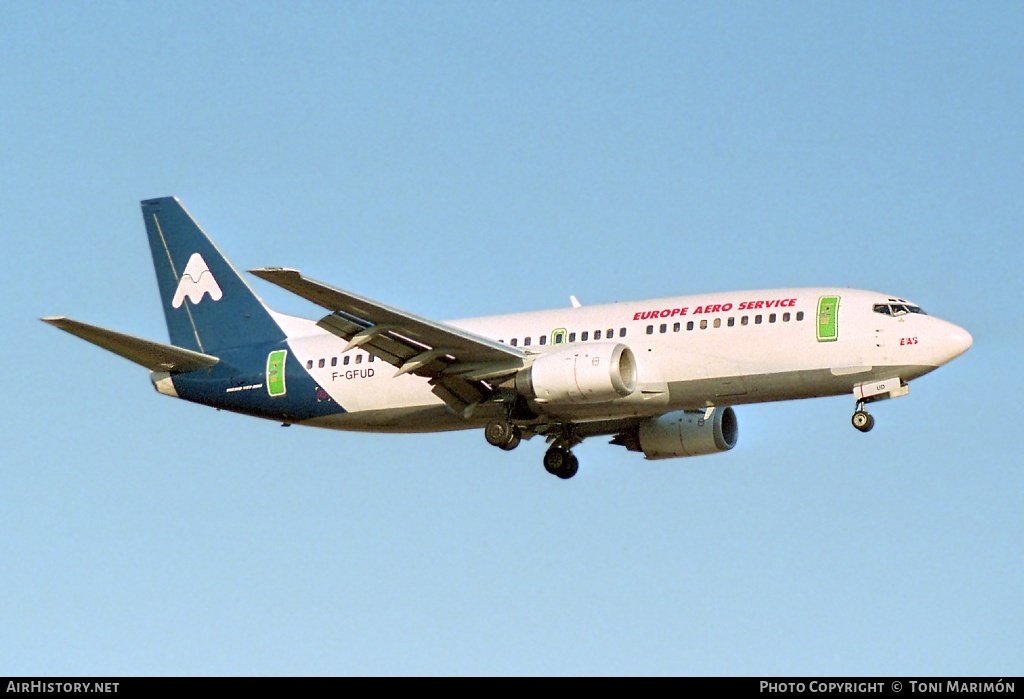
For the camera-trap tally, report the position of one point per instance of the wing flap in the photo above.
(352, 311)
(155, 356)
(388, 348)
(457, 362)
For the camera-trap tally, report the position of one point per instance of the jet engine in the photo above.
(682, 433)
(593, 373)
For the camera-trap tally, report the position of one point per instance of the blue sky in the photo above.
(461, 159)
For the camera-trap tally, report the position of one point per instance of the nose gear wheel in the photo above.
(861, 419)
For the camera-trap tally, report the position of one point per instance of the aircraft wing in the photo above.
(155, 356)
(457, 362)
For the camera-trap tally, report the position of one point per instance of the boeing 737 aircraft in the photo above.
(660, 377)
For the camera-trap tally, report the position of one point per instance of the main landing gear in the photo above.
(558, 460)
(561, 462)
(503, 435)
(862, 420)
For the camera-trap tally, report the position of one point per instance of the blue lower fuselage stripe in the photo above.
(239, 383)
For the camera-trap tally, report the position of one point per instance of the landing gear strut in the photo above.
(862, 420)
(871, 391)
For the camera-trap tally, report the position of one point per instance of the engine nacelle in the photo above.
(593, 373)
(683, 433)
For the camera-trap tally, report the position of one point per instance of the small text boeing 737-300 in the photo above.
(660, 377)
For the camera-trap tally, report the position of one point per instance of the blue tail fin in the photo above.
(208, 306)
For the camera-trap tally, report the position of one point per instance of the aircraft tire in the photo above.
(514, 439)
(561, 462)
(499, 433)
(555, 459)
(863, 421)
(572, 465)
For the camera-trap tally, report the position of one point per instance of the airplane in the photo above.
(659, 377)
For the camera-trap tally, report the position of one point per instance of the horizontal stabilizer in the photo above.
(155, 356)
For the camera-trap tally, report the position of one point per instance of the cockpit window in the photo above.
(897, 308)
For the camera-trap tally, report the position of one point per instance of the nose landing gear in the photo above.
(872, 391)
(862, 419)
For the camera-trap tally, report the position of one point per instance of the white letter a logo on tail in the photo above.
(196, 281)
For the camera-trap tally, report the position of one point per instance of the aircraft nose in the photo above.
(960, 341)
(956, 342)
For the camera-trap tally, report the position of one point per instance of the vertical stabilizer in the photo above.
(208, 306)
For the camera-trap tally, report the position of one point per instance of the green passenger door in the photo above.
(275, 373)
(828, 319)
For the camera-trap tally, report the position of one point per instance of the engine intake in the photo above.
(594, 373)
(683, 433)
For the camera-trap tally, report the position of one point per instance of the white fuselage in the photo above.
(692, 352)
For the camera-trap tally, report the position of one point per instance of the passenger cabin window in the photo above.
(320, 364)
(664, 327)
(334, 361)
(584, 335)
(744, 320)
(527, 341)
(785, 317)
(676, 327)
(515, 341)
(689, 325)
(731, 322)
(572, 337)
(771, 318)
(622, 332)
(543, 339)
(309, 364)
(704, 324)
(597, 334)
(610, 334)
(799, 315)
(348, 357)
(718, 322)
(359, 359)
(757, 319)
(650, 329)
(372, 357)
